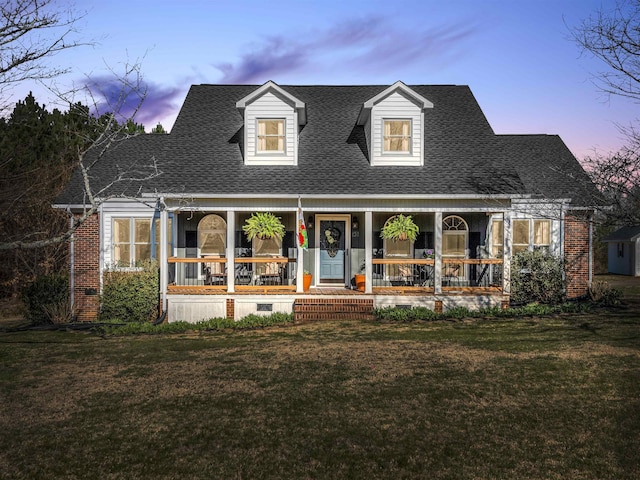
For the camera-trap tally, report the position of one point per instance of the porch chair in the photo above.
(269, 273)
(451, 274)
(215, 272)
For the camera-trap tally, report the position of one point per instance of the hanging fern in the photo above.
(400, 227)
(263, 225)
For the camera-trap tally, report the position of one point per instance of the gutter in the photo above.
(337, 197)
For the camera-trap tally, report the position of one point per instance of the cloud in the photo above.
(149, 101)
(370, 43)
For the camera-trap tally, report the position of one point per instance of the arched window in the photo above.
(455, 237)
(212, 235)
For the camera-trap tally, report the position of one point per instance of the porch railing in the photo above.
(210, 275)
(278, 274)
(476, 274)
(403, 274)
(469, 274)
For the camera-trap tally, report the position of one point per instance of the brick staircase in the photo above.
(318, 308)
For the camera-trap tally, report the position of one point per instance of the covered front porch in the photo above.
(462, 251)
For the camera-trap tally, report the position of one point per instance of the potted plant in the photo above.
(263, 225)
(306, 281)
(399, 228)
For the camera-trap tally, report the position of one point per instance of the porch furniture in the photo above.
(243, 275)
(270, 273)
(451, 276)
(214, 271)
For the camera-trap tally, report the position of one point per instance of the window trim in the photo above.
(531, 240)
(133, 244)
(260, 152)
(388, 153)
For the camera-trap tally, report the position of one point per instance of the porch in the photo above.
(276, 275)
(211, 269)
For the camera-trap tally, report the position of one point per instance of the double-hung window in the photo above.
(271, 135)
(531, 234)
(541, 234)
(497, 238)
(397, 136)
(131, 239)
(520, 235)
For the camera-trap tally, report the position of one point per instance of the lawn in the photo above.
(532, 398)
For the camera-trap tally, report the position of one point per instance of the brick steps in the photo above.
(314, 309)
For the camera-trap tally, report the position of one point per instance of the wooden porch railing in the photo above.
(209, 274)
(458, 274)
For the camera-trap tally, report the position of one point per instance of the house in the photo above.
(624, 251)
(352, 157)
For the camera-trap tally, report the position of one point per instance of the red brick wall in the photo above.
(87, 269)
(576, 253)
(230, 308)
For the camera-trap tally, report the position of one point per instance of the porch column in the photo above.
(368, 251)
(164, 262)
(507, 235)
(437, 267)
(231, 251)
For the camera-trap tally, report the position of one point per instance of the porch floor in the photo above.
(336, 291)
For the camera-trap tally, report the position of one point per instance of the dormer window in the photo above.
(397, 136)
(394, 127)
(272, 122)
(271, 135)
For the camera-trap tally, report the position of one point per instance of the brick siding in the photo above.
(87, 269)
(576, 253)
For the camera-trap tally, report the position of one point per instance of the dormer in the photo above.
(272, 120)
(393, 122)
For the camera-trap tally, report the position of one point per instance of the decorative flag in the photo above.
(303, 241)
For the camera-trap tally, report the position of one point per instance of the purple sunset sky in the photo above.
(517, 56)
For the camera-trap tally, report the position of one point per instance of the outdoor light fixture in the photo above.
(310, 222)
(355, 224)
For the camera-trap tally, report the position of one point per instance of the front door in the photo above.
(332, 236)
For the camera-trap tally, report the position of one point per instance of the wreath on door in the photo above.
(331, 240)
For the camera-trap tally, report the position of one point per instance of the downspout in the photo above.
(590, 249)
(72, 276)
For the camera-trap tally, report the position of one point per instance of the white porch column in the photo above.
(507, 235)
(231, 251)
(164, 263)
(437, 267)
(368, 251)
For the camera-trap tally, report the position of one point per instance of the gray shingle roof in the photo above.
(203, 154)
(624, 234)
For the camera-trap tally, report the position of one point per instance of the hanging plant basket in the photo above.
(400, 228)
(263, 225)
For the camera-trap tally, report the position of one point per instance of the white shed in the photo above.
(624, 251)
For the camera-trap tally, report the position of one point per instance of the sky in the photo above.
(517, 56)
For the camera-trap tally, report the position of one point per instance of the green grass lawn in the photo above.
(533, 398)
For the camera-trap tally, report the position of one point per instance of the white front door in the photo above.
(333, 235)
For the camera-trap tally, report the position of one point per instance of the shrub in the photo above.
(250, 321)
(601, 292)
(44, 295)
(537, 276)
(131, 296)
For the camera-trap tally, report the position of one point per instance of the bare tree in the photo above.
(613, 36)
(105, 133)
(31, 32)
(618, 177)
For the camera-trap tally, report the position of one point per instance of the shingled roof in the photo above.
(203, 155)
